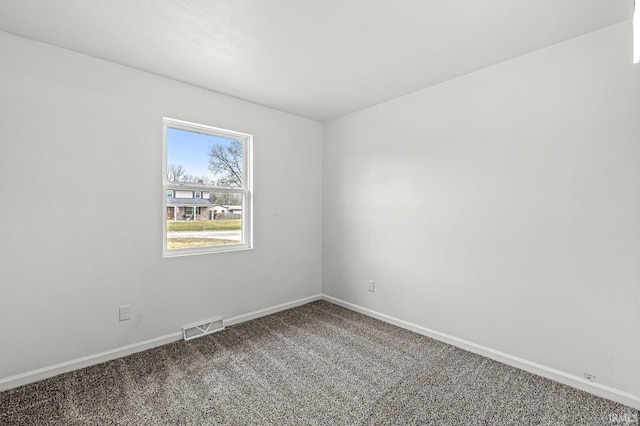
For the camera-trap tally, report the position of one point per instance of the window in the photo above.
(214, 165)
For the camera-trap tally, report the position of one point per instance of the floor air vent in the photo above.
(203, 328)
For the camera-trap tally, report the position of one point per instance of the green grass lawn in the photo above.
(205, 225)
(178, 243)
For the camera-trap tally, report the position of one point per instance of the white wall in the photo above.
(85, 136)
(501, 208)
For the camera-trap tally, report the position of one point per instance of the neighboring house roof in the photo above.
(188, 202)
(234, 207)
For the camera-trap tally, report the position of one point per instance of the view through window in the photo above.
(206, 182)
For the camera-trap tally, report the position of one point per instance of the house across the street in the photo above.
(198, 205)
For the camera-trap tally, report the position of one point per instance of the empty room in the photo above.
(291, 212)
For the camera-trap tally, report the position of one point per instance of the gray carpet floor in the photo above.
(318, 364)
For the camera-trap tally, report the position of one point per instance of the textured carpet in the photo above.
(317, 364)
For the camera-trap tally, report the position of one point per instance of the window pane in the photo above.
(213, 220)
(200, 158)
(208, 185)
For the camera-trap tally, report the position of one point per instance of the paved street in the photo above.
(226, 235)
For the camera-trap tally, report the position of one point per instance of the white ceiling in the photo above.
(314, 58)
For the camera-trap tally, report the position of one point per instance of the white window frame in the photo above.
(246, 190)
(197, 194)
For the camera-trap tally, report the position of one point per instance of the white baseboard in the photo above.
(76, 364)
(523, 364)
(272, 310)
(86, 361)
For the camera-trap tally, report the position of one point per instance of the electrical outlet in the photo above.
(590, 377)
(125, 312)
(372, 286)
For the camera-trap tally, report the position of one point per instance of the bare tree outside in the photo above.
(225, 161)
(196, 179)
(175, 172)
(226, 198)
